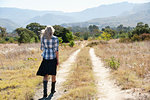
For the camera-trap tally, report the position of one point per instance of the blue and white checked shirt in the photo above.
(49, 47)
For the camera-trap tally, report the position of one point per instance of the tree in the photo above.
(77, 34)
(110, 31)
(26, 36)
(3, 32)
(93, 28)
(141, 28)
(64, 33)
(86, 36)
(71, 43)
(36, 28)
(75, 29)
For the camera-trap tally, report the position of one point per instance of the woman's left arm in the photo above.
(57, 50)
(42, 45)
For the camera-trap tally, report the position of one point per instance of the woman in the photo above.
(49, 46)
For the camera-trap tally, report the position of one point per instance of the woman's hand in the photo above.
(57, 62)
(57, 58)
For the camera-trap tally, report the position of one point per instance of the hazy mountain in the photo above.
(51, 19)
(114, 14)
(141, 7)
(8, 24)
(21, 16)
(103, 11)
(139, 13)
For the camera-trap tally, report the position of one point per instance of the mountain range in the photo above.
(124, 13)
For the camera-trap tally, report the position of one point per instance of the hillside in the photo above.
(8, 24)
(103, 11)
(129, 20)
(51, 19)
(114, 14)
(23, 16)
(139, 13)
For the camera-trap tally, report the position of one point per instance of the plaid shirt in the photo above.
(49, 47)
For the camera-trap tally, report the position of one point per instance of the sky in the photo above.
(61, 5)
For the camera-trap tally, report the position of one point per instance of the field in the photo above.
(133, 60)
(129, 64)
(18, 66)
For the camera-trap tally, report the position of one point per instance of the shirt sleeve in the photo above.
(42, 45)
(56, 44)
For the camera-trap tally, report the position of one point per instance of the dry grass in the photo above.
(18, 67)
(134, 71)
(80, 83)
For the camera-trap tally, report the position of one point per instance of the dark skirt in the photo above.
(47, 67)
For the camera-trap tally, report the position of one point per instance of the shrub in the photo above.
(75, 37)
(99, 38)
(106, 36)
(103, 42)
(122, 40)
(60, 40)
(2, 40)
(71, 43)
(124, 35)
(113, 63)
(90, 39)
(86, 36)
(64, 44)
(92, 44)
(135, 38)
(7, 39)
(11, 40)
(81, 39)
(145, 36)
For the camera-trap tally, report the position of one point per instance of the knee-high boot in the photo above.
(45, 88)
(53, 87)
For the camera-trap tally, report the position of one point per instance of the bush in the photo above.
(135, 38)
(93, 44)
(106, 36)
(64, 44)
(71, 43)
(124, 35)
(86, 36)
(11, 40)
(75, 37)
(113, 63)
(81, 39)
(60, 40)
(145, 36)
(2, 40)
(99, 38)
(90, 39)
(122, 40)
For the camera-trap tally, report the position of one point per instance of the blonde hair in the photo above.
(47, 32)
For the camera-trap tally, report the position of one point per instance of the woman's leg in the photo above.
(53, 84)
(45, 80)
(53, 78)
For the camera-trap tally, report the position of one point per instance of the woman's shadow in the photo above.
(48, 98)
